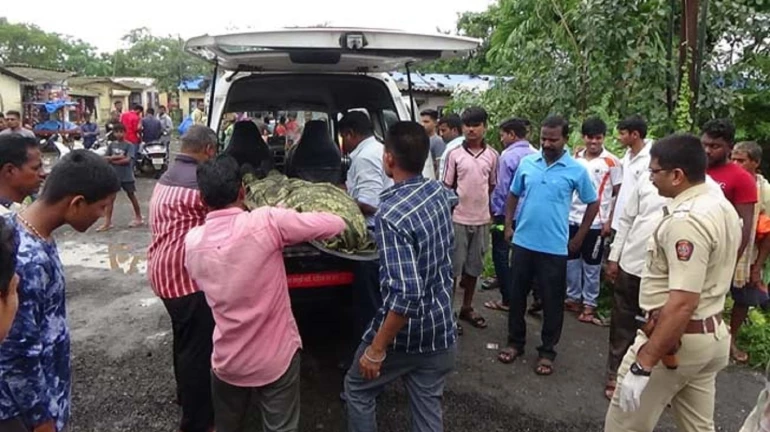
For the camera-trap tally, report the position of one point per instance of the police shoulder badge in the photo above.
(684, 250)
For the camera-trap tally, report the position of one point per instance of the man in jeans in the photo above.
(585, 265)
(176, 208)
(513, 133)
(471, 170)
(413, 334)
(541, 244)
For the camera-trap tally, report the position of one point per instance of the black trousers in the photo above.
(367, 298)
(193, 327)
(550, 274)
(623, 323)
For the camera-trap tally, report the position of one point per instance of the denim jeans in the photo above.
(501, 251)
(584, 268)
(424, 376)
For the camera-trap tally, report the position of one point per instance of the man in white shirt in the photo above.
(584, 265)
(366, 179)
(450, 127)
(631, 133)
(635, 225)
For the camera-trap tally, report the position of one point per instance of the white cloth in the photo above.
(634, 167)
(631, 389)
(366, 177)
(442, 160)
(638, 220)
(605, 173)
(15, 208)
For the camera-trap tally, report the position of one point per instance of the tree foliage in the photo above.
(613, 58)
(145, 54)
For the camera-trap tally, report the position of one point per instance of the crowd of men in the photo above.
(685, 223)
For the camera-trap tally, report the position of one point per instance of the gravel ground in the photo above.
(123, 378)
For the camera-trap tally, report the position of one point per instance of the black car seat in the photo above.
(316, 158)
(248, 147)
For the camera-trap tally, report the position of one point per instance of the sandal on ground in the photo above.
(609, 389)
(588, 316)
(508, 355)
(472, 318)
(738, 356)
(136, 223)
(104, 228)
(573, 306)
(544, 367)
(497, 305)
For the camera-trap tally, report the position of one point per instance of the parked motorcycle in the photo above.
(152, 158)
(100, 145)
(54, 147)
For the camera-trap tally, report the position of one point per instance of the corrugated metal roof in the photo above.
(444, 83)
(39, 75)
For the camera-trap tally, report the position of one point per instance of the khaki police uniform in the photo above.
(693, 249)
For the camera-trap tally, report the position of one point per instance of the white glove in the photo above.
(631, 389)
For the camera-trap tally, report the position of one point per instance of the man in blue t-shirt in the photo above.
(541, 241)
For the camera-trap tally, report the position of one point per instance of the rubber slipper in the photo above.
(497, 305)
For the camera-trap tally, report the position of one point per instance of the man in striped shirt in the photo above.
(175, 208)
(413, 333)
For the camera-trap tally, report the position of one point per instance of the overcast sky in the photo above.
(105, 25)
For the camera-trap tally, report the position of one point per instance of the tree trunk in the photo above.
(688, 36)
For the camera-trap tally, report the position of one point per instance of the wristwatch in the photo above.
(637, 369)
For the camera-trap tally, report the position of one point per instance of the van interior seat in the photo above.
(248, 147)
(316, 158)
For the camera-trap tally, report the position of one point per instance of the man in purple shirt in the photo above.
(513, 133)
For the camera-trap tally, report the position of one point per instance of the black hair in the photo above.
(356, 122)
(475, 116)
(433, 114)
(516, 126)
(2, 115)
(137, 107)
(720, 128)
(14, 149)
(594, 126)
(219, 181)
(554, 122)
(452, 121)
(409, 145)
(80, 172)
(683, 151)
(118, 127)
(151, 111)
(634, 123)
(13, 113)
(752, 150)
(7, 256)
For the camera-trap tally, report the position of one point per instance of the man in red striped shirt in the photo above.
(175, 208)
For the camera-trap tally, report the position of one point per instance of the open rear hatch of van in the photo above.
(326, 49)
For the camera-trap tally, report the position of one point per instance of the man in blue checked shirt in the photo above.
(413, 334)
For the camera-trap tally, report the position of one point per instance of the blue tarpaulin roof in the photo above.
(193, 84)
(55, 105)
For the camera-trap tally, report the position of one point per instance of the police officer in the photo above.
(687, 274)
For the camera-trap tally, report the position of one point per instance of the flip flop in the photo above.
(589, 317)
(472, 318)
(497, 305)
(104, 228)
(609, 389)
(738, 356)
(508, 355)
(136, 224)
(544, 367)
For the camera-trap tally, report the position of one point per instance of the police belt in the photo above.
(700, 326)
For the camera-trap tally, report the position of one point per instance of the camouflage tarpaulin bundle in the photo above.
(277, 190)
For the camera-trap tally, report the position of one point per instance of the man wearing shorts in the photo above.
(120, 154)
(471, 170)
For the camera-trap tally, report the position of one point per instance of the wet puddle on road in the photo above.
(118, 257)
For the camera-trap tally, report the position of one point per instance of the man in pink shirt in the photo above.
(256, 340)
(471, 170)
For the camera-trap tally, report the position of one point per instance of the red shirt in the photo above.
(131, 120)
(737, 184)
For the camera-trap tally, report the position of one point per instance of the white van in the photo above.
(324, 71)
